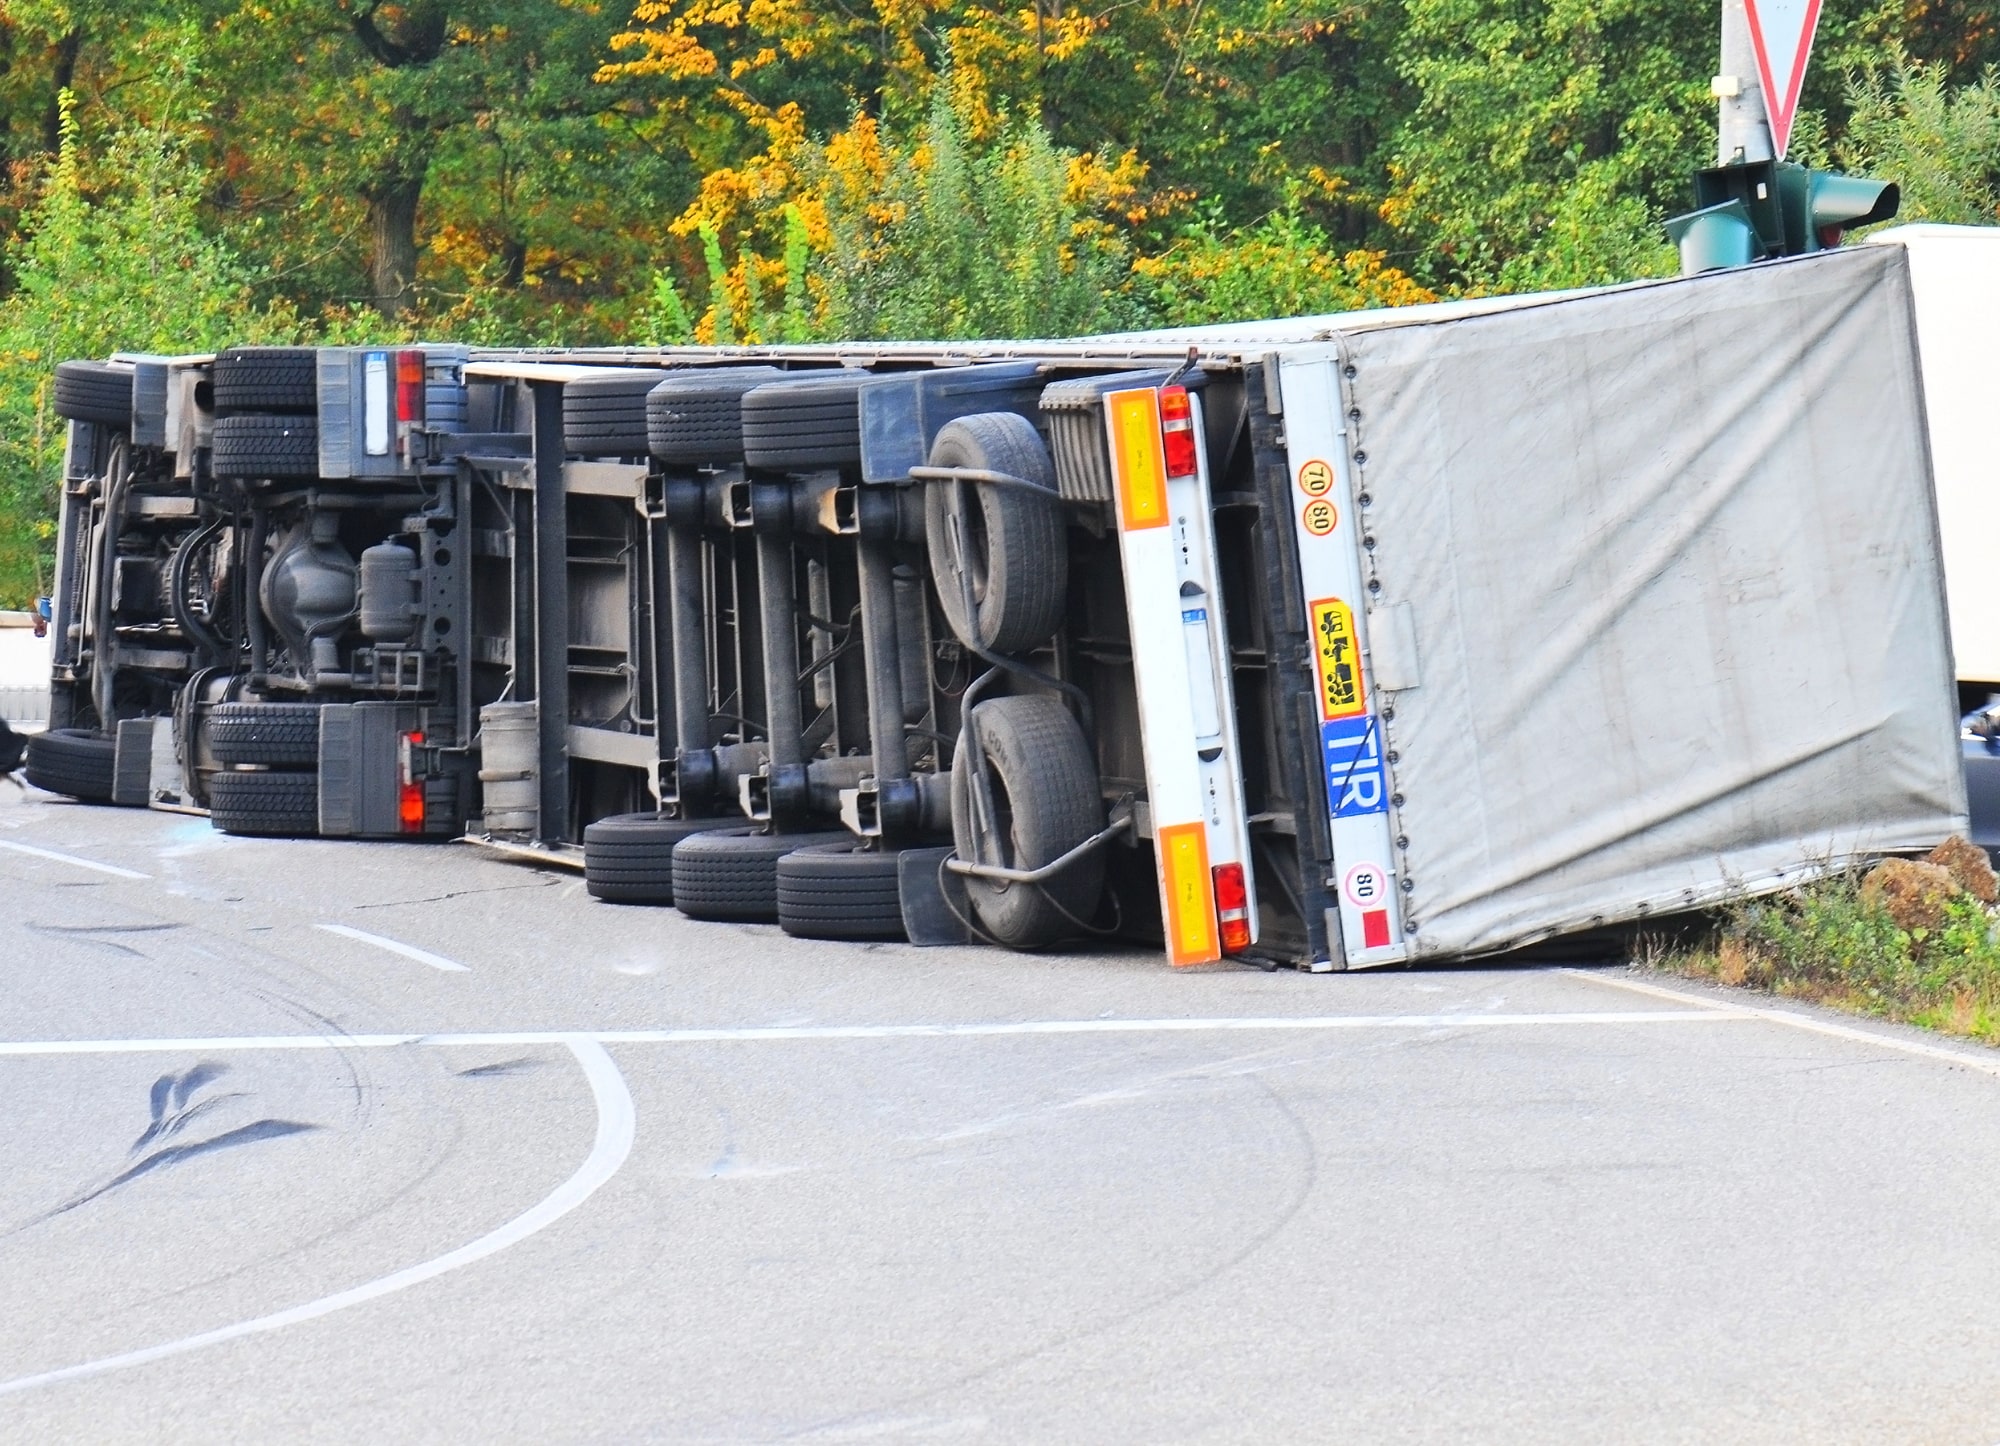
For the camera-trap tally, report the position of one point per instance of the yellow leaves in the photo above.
(1381, 283)
(672, 54)
(1097, 186)
(1066, 35)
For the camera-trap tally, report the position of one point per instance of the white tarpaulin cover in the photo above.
(1659, 569)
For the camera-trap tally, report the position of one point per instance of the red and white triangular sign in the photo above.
(1781, 34)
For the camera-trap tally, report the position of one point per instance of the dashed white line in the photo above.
(396, 946)
(72, 860)
(616, 1126)
(780, 1033)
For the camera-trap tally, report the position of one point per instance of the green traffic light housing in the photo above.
(1755, 210)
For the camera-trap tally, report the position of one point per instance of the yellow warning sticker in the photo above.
(1340, 692)
(1315, 478)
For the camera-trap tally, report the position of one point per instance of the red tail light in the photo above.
(1177, 432)
(409, 386)
(1232, 908)
(410, 793)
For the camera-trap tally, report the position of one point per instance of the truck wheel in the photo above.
(1014, 545)
(697, 419)
(1045, 802)
(805, 425)
(606, 416)
(629, 858)
(264, 804)
(732, 873)
(94, 391)
(259, 446)
(282, 735)
(74, 762)
(840, 890)
(265, 379)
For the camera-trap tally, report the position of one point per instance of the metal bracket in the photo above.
(1048, 870)
(983, 477)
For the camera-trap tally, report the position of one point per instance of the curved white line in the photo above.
(615, 1126)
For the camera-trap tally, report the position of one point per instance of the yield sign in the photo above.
(1781, 34)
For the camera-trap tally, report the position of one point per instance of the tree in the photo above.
(1548, 136)
(1940, 143)
(115, 258)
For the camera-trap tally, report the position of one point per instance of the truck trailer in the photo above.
(1336, 642)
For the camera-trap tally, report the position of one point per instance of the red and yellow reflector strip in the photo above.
(1189, 890)
(1139, 458)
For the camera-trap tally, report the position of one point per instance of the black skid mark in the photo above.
(178, 1154)
(505, 1066)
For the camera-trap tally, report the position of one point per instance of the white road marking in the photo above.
(72, 860)
(754, 1034)
(394, 946)
(616, 1125)
(1794, 1020)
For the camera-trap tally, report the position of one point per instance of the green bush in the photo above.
(1940, 143)
(114, 258)
(1836, 941)
(969, 238)
(1283, 266)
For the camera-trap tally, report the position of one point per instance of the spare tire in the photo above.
(807, 424)
(843, 890)
(629, 858)
(1016, 554)
(94, 391)
(696, 418)
(259, 446)
(73, 761)
(284, 735)
(265, 379)
(264, 803)
(1046, 801)
(605, 416)
(732, 873)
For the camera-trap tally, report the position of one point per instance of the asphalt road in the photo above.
(621, 1176)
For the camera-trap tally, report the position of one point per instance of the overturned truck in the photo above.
(1338, 642)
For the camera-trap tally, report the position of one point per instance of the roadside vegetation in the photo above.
(515, 171)
(1909, 940)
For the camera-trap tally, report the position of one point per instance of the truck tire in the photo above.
(254, 445)
(629, 858)
(73, 761)
(280, 735)
(265, 379)
(94, 391)
(606, 416)
(1046, 796)
(840, 890)
(805, 425)
(697, 419)
(264, 803)
(1016, 551)
(732, 873)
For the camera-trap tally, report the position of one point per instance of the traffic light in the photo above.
(1755, 210)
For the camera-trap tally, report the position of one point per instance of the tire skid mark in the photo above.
(612, 1145)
